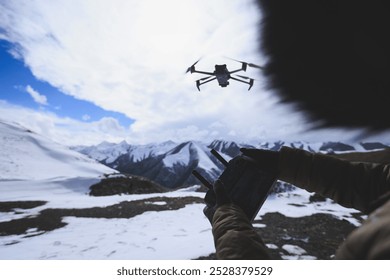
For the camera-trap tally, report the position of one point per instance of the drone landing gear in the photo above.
(250, 83)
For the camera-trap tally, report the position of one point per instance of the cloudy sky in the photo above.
(81, 72)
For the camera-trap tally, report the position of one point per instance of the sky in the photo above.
(83, 72)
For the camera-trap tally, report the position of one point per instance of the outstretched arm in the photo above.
(351, 184)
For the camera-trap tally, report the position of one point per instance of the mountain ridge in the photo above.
(170, 164)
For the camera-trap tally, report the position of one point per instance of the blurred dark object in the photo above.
(331, 58)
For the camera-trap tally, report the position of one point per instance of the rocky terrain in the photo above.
(318, 235)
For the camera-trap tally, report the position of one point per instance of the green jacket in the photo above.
(356, 184)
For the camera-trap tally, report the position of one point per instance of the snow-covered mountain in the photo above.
(170, 164)
(26, 155)
(46, 212)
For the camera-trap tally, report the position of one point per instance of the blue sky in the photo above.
(83, 72)
(15, 78)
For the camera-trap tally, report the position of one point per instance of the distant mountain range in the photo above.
(26, 155)
(170, 164)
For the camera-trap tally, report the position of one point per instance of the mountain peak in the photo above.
(229, 148)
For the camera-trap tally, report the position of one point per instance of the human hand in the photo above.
(215, 198)
(266, 160)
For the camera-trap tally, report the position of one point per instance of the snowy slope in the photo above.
(26, 155)
(149, 235)
(141, 152)
(179, 156)
(107, 153)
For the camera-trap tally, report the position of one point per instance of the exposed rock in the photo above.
(125, 185)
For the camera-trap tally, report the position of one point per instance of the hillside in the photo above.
(26, 155)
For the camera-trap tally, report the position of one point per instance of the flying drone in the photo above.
(222, 74)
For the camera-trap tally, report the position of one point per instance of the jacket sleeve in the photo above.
(371, 240)
(351, 184)
(235, 237)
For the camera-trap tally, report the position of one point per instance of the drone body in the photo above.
(222, 74)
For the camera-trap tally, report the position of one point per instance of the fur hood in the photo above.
(331, 58)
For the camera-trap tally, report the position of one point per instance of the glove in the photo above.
(267, 160)
(215, 198)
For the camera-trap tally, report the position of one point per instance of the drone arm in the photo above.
(235, 71)
(202, 72)
(199, 82)
(243, 68)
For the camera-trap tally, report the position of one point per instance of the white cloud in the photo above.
(38, 98)
(86, 117)
(71, 132)
(130, 57)
(66, 131)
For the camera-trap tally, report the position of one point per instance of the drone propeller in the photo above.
(192, 67)
(249, 64)
(255, 66)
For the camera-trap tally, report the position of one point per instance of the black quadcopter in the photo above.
(222, 74)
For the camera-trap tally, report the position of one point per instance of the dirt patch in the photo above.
(319, 235)
(12, 206)
(125, 184)
(50, 219)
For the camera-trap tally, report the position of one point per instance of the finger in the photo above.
(210, 198)
(218, 188)
(220, 193)
(253, 153)
(209, 213)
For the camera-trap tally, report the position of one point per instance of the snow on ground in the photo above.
(296, 253)
(152, 235)
(174, 234)
(296, 204)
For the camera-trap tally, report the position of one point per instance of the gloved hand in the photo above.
(267, 160)
(215, 198)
